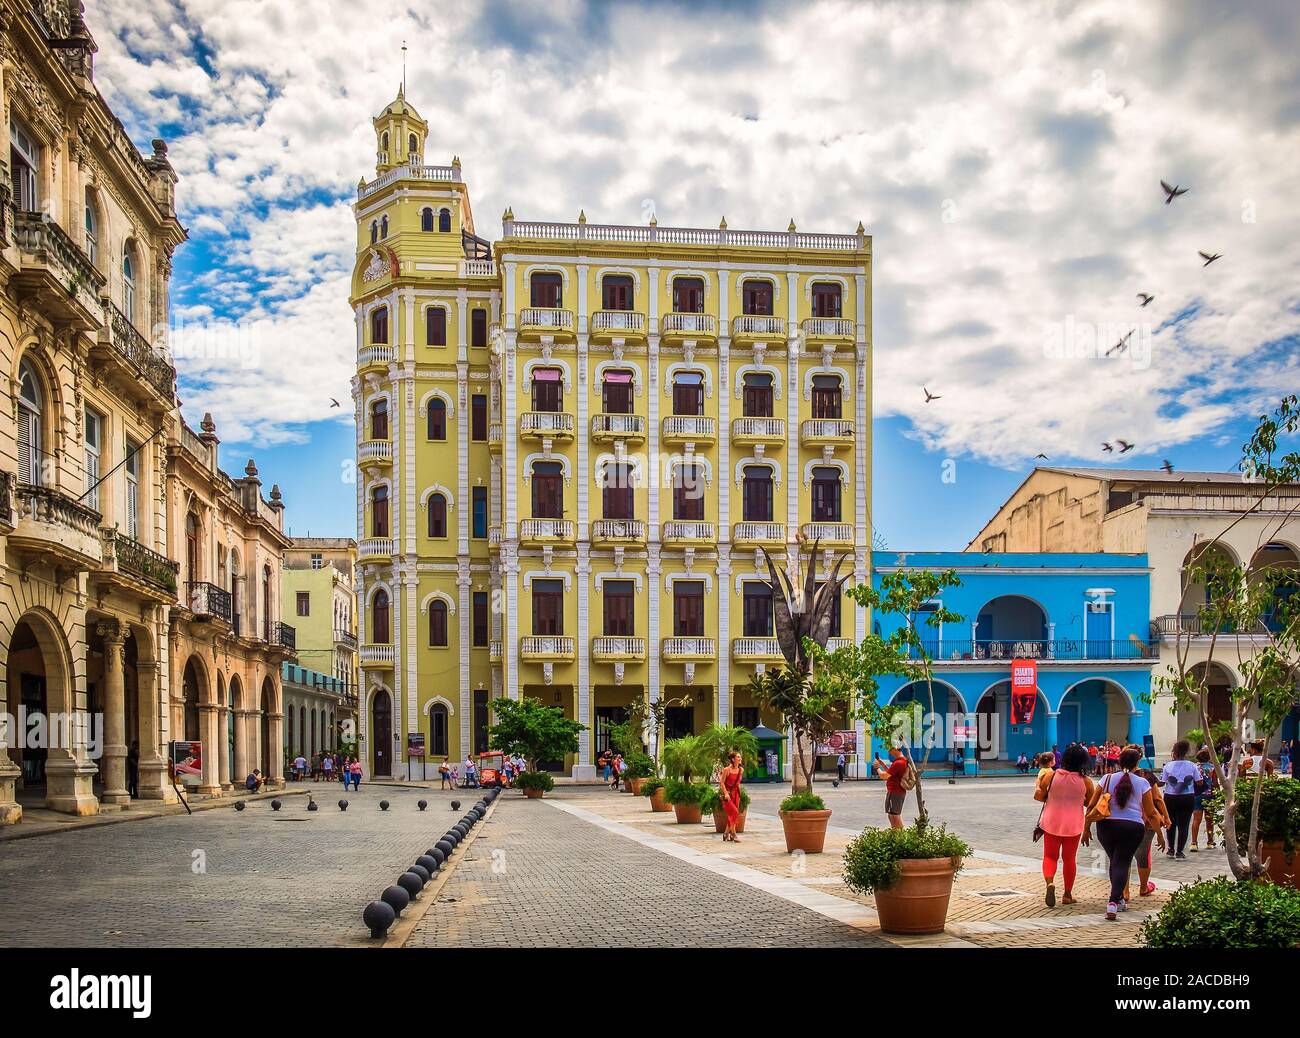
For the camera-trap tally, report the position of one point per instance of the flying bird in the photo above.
(1172, 192)
(1119, 346)
(1040, 457)
(1145, 298)
(333, 402)
(1208, 258)
(930, 396)
(1168, 466)
(1107, 448)
(1124, 446)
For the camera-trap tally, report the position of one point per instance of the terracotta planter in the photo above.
(1282, 869)
(533, 794)
(918, 902)
(687, 814)
(657, 801)
(805, 830)
(633, 786)
(720, 822)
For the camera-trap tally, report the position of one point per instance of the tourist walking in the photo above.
(729, 790)
(1063, 794)
(895, 775)
(444, 774)
(133, 771)
(606, 763)
(354, 771)
(841, 763)
(1154, 834)
(327, 768)
(1204, 790)
(1112, 757)
(616, 769)
(1179, 777)
(1121, 806)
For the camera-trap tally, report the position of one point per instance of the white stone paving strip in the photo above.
(850, 913)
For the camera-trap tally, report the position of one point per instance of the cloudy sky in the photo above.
(1005, 157)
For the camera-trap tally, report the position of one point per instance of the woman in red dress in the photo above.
(729, 788)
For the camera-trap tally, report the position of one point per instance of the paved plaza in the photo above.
(584, 867)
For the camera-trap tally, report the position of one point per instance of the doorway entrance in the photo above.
(381, 741)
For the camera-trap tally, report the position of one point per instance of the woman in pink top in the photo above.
(1061, 819)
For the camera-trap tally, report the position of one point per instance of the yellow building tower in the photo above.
(646, 407)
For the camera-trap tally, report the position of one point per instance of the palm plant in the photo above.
(722, 740)
(687, 756)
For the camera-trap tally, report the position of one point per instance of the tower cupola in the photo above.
(400, 135)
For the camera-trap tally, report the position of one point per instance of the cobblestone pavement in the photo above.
(292, 878)
(549, 878)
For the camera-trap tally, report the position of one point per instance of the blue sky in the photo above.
(1006, 160)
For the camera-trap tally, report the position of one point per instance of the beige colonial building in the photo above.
(98, 625)
(1165, 515)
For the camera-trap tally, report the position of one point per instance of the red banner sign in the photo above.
(1024, 690)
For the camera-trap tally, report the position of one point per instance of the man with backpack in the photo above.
(899, 776)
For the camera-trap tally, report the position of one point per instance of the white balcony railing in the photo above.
(677, 648)
(494, 536)
(410, 171)
(827, 328)
(689, 324)
(689, 426)
(688, 530)
(373, 356)
(755, 325)
(376, 654)
(764, 532)
(546, 645)
(618, 530)
(494, 432)
(478, 268)
(837, 533)
(375, 450)
(374, 547)
(546, 317)
(826, 429)
(547, 423)
(617, 321)
(755, 648)
(618, 645)
(758, 428)
(618, 425)
(495, 650)
(546, 529)
(837, 643)
(636, 233)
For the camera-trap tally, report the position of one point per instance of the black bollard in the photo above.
(239, 805)
(396, 897)
(343, 805)
(444, 847)
(411, 883)
(430, 863)
(424, 874)
(422, 804)
(437, 854)
(383, 805)
(275, 805)
(455, 805)
(379, 916)
(311, 804)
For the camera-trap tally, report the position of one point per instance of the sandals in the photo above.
(1050, 897)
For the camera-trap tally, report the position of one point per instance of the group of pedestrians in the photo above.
(612, 767)
(1131, 807)
(327, 767)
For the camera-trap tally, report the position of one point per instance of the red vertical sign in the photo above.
(1024, 690)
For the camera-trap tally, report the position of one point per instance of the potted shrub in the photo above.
(1278, 830)
(688, 799)
(653, 789)
(909, 872)
(1220, 913)
(638, 767)
(804, 818)
(713, 805)
(535, 783)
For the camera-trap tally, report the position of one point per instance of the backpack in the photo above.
(908, 781)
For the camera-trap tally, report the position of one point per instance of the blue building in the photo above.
(1084, 621)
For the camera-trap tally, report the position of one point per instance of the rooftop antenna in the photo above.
(403, 68)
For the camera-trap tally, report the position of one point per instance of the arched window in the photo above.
(383, 144)
(374, 231)
(379, 618)
(92, 229)
(688, 492)
(757, 399)
(827, 397)
(266, 604)
(438, 623)
(688, 393)
(412, 146)
(438, 731)
(437, 516)
(383, 226)
(437, 419)
(30, 406)
(826, 495)
(426, 219)
(313, 734)
(548, 490)
(379, 326)
(826, 300)
(617, 497)
(758, 494)
(444, 220)
(379, 512)
(548, 389)
(379, 419)
(546, 289)
(290, 743)
(128, 283)
(435, 325)
(616, 392)
(191, 547)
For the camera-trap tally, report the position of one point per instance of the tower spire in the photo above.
(403, 91)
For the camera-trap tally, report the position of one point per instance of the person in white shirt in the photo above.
(1179, 778)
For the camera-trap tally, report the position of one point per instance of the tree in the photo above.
(854, 671)
(533, 731)
(648, 719)
(1251, 614)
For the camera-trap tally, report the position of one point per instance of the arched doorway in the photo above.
(28, 688)
(230, 730)
(1011, 626)
(381, 733)
(243, 763)
(1092, 712)
(268, 708)
(993, 713)
(947, 707)
(191, 686)
(438, 743)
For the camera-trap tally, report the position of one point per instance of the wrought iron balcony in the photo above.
(207, 601)
(283, 635)
(53, 265)
(122, 554)
(1004, 650)
(146, 362)
(346, 639)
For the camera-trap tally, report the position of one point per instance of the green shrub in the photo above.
(535, 780)
(650, 785)
(722, 740)
(1222, 913)
(1279, 811)
(687, 758)
(638, 765)
(713, 803)
(871, 860)
(679, 792)
(803, 802)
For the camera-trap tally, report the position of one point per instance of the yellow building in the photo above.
(572, 443)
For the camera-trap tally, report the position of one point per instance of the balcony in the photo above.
(284, 636)
(541, 532)
(681, 429)
(374, 360)
(142, 568)
(831, 535)
(687, 532)
(547, 425)
(119, 340)
(826, 432)
(546, 323)
(53, 269)
(752, 328)
(689, 650)
(375, 549)
(751, 534)
(494, 437)
(546, 648)
(495, 653)
(377, 657)
(826, 329)
(411, 171)
(617, 326)
(478, 268)
(610, 428)
(1202, 625)
(838, 643)
(375, 454)
(50, 527)
(345, 640)
(753, 432)
(986, 650)
(494, 538)
(756, 650)
(208, 602)
(678, 328)
(609, 648)
(618, 531)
